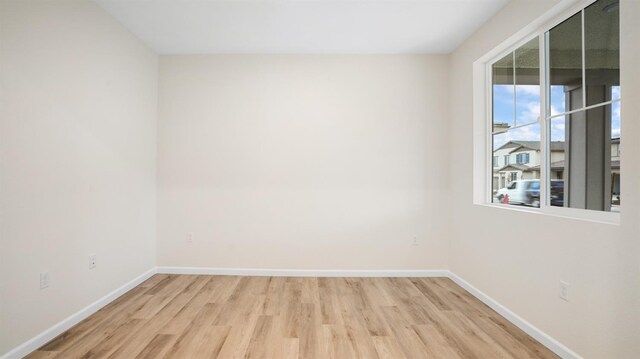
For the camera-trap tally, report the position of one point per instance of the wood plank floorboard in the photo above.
(189, 316)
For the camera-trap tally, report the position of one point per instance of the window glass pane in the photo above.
(556, 167)
(602, 50)
(584, 163)
(527, 63)
(616, 150)
(503, 93)
(557, 100)
(615, 92)
(513, 182)
(565, 64)
(615, 120)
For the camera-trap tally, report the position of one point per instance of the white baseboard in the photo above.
(67, 323)
(525, 326)
(44, 337)
(305, 272)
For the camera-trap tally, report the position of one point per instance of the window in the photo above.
(516, 110)
(584, 105)
(522, 158)
(557, 96)
(495, 161)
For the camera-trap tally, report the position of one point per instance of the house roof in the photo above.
(514, 166)
(559, 165)
(533, 145)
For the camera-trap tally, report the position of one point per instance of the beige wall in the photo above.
(78, 107)
(518, 258)
(303, 162)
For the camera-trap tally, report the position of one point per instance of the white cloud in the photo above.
(615, 133)
(530, 113)
(525, 133)
(557, 100)
(529, 109)
(615, 92)
(530, 90)
(615, 120)
(558, 129)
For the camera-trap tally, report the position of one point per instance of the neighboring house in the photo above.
(516, 160)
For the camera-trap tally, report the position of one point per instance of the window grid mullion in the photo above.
(584, 61)
(513, 128)
(544, 157)
(611, 102)
(489, 122)
(515, 97)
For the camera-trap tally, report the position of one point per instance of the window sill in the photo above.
(610, 218)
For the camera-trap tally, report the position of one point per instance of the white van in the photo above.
(526, 192)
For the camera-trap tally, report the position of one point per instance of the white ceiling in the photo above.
(301, 26)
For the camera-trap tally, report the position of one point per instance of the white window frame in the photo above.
(483, 118)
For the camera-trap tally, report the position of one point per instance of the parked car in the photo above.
(557, 193)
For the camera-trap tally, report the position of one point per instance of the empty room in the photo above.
(319, 179)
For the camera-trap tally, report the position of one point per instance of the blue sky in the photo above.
(527, 111)
(615, 108)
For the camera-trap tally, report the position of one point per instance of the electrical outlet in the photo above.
(44, 279)
(564, 291)
(92, 261)
(189, 237)
(415, 241)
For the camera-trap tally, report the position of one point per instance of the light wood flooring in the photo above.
(188, 316)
